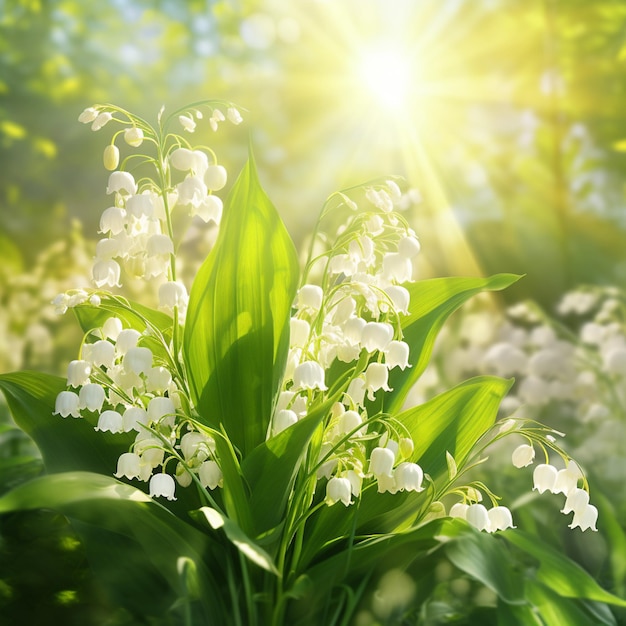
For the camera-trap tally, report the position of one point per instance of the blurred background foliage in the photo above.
(506, 117)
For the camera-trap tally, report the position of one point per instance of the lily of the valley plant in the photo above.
(242, 454)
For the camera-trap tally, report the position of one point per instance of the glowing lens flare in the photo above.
(387, 76)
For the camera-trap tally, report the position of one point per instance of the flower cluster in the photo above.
(137, 227)
(131, 389)
(352, 320)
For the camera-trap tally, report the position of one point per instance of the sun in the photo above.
(386, 75)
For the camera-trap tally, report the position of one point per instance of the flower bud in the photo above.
(523, 455)
(133, 136)
(101, 120)
(234, 116)
(111, 157)
(88, 115)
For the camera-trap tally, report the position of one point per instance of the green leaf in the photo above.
(237, 328)
(557, 611)
(100, 502)
(486, 558)
(242, 542)
(432, 302)
(452, 422)
(559, 573)
(271, 468)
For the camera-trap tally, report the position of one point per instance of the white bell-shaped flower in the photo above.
(381, 462)
(113, 220)
(195, 444)
(88, 115)
(576, 501)
(210, 475)
(191, 191)
(159, 245)
(342, 264)
(110, 421)
(91, 397)
(122, 182)
(567, 479)
(126, 340)
(376, 336)
(140, 205)
(233, 115)
(353, 330)
(397, 355)
(128, 465)
(102, 353)
(66, 403)
(134, 418)
(348, 422)
(380, 199)
(173, 294)
(209, 209)
(585, 518)
(78, 373)
(400, 297)
(187, 122)
(459, 510)
(106, 272)
(356, 481)
(138, 360)
(338, 489)
(215, 177)
(409, 477)
(112, 328)
(160, 407)
(356, 391)
(523, 455)
(183, 159)
(162, 485)
(376, 377)
(397, 268)
(158, 379)
(478, 516)
(309, 375)
(375, 225)
(282, 420)
(101, 120)
(409, 246)
(544, 477)
(107, 249)
(133, 136)
(500, 518)
(310, 297)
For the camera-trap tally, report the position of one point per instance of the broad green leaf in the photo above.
(271, 468)
(237, 328)
(559, 573)
(556, 610)
(101, 502)
(517, 615)
(240, 540)
(432, 302)
(486, 558)
(453, 421)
